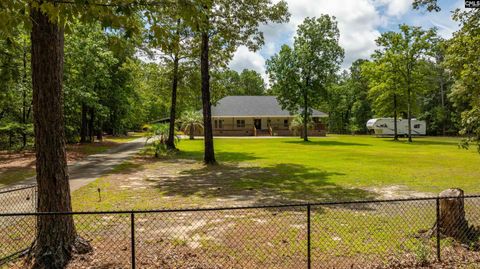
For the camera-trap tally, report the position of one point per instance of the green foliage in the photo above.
(300, 76)
(296, 125)
(462, 60)
(157, 135)
(191, 121)
(229, 82)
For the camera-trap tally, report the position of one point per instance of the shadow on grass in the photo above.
(224, 156)
(425, 142)
(277, 184)
(325, 143)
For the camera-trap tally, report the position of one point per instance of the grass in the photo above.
(262, 171)
(11, 176)
(426, 165)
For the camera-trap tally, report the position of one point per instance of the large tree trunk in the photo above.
(395, 125)
(171, 132)
(83, 124)
(305, 115)
(209, 157)
(55, 233)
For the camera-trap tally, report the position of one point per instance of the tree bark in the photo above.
(395, 125)
(83, 124)
(192, 131)
(305, 115)
(442, 99)
(24, 96)
(409, 114)
(171, 133)
(452, 216)
(209, 157)
(91, 125)
(55, 234)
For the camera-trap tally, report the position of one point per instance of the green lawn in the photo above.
(273, 171)
(337, 164)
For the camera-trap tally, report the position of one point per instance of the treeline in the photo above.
(413, 74)
(110, 86)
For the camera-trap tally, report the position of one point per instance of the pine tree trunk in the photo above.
(209, 157)
(55, 234)
(305, 115)
(395, 125)
(83, 124)
(171, 132)
(409, 115)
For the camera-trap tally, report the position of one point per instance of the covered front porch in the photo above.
(261, 126)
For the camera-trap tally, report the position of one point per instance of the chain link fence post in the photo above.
(132, 238)
(309, 257)
(438, 229)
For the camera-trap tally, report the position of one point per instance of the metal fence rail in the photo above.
(361, 234)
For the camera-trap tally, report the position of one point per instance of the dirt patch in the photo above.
(397, 192)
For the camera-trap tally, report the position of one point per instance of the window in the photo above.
(216, 124)
(417, 126)
(285, 123)
(220, 124)
(240, 123)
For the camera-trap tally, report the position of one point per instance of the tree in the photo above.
(55, 233)
(384, 92)
(191, 121)
(251, 83)
(361, 107)
(223, 25)
(300, 76)
(462, 60)
(403, 54)
(88, 80)
(173, 37)
(229, 82)
(415, 45)
(56, 236)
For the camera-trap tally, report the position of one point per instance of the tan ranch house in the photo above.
(257, 116)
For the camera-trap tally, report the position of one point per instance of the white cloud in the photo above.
(360, 23)
(396, 8)
(245, 59)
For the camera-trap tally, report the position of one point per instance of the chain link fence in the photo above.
(18, 199)
(366, 234)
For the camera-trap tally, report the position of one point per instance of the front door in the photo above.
(257, 123)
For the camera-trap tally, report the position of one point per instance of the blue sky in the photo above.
(360, 23)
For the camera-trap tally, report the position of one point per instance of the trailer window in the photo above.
(417, 126)
(382, 125)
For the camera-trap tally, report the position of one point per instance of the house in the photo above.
(258, 116)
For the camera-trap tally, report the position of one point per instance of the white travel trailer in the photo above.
(385, 127)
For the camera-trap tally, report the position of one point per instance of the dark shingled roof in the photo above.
(245, 106)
